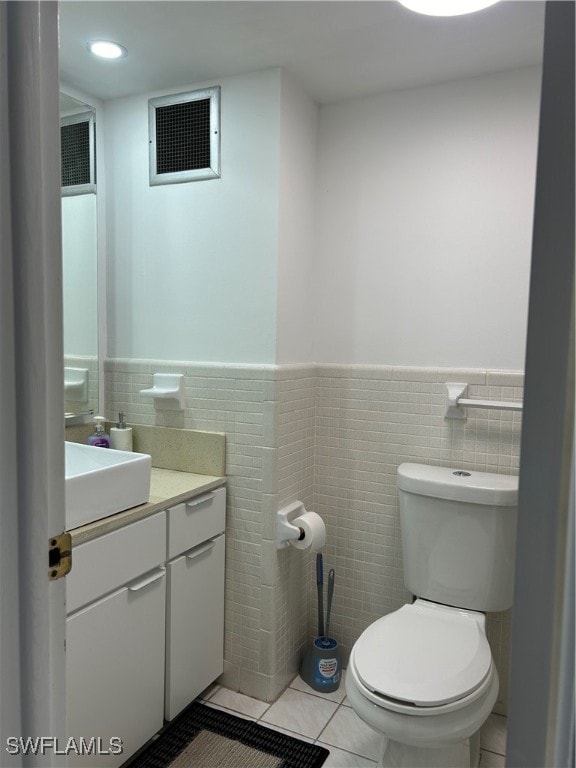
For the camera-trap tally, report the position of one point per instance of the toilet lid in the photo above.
(423, 655)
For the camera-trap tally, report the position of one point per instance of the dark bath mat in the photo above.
(202, 737)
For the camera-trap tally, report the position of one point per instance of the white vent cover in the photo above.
(185, 137)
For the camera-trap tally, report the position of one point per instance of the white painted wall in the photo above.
(192, 268)
(389, 230)
(425, 221)
(298, 159)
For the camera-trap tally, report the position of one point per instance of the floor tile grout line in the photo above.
(317, 694)
(332, 716)
(297, 733)
(492, 752)
(306, 693)
(235, 712)
(239, 711)
(316, 740)
(356, 754)
(341, 749)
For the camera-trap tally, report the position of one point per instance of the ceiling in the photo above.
(337, 50)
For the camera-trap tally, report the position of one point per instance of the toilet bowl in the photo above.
(423, 677)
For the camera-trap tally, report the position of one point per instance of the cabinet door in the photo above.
(115, 669)
(195, 623)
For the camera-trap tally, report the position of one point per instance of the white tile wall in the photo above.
(295, 480)
(368, 421)
(91, 363)
(333, 437)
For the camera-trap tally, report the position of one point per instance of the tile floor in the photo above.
(328, 720)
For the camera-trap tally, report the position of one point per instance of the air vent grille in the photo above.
(75, 154)
(78, 153)
(185, 137)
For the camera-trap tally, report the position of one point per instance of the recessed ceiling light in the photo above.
(447, 7)
(106, 49)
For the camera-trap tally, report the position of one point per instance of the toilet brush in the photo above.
(320, 588)
(329, 608)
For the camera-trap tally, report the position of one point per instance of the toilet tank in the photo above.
(458, 535)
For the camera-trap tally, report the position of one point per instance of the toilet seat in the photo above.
(424, 655)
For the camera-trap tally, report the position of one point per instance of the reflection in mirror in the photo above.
(78, 153)
(79, 256)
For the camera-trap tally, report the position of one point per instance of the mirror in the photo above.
(79, 256)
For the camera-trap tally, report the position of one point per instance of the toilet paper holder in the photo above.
(285, 530)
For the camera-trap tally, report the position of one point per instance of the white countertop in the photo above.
(167, 488)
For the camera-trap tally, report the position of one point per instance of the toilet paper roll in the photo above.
(314, 531)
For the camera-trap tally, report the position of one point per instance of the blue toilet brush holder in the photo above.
(321, 666)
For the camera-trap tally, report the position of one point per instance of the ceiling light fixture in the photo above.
(106, 49)
(447, 7)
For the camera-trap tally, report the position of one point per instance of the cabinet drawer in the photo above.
(112, 560)
(195, 521)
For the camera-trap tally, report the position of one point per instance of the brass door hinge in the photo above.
(59, 556)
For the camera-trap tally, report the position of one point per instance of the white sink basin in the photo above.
(102, 481)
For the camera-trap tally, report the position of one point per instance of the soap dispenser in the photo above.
(99, 439)
(121, 435)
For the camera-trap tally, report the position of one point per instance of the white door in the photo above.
(32, 616)
(115, 664)
(194, 623)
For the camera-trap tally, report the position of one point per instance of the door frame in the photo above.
(32, 608)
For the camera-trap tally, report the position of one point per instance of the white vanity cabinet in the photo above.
(195, 598)
(145, 625)
(115, 644)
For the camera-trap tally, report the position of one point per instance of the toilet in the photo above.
(423, 676)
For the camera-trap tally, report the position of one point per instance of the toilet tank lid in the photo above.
(459, 485)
